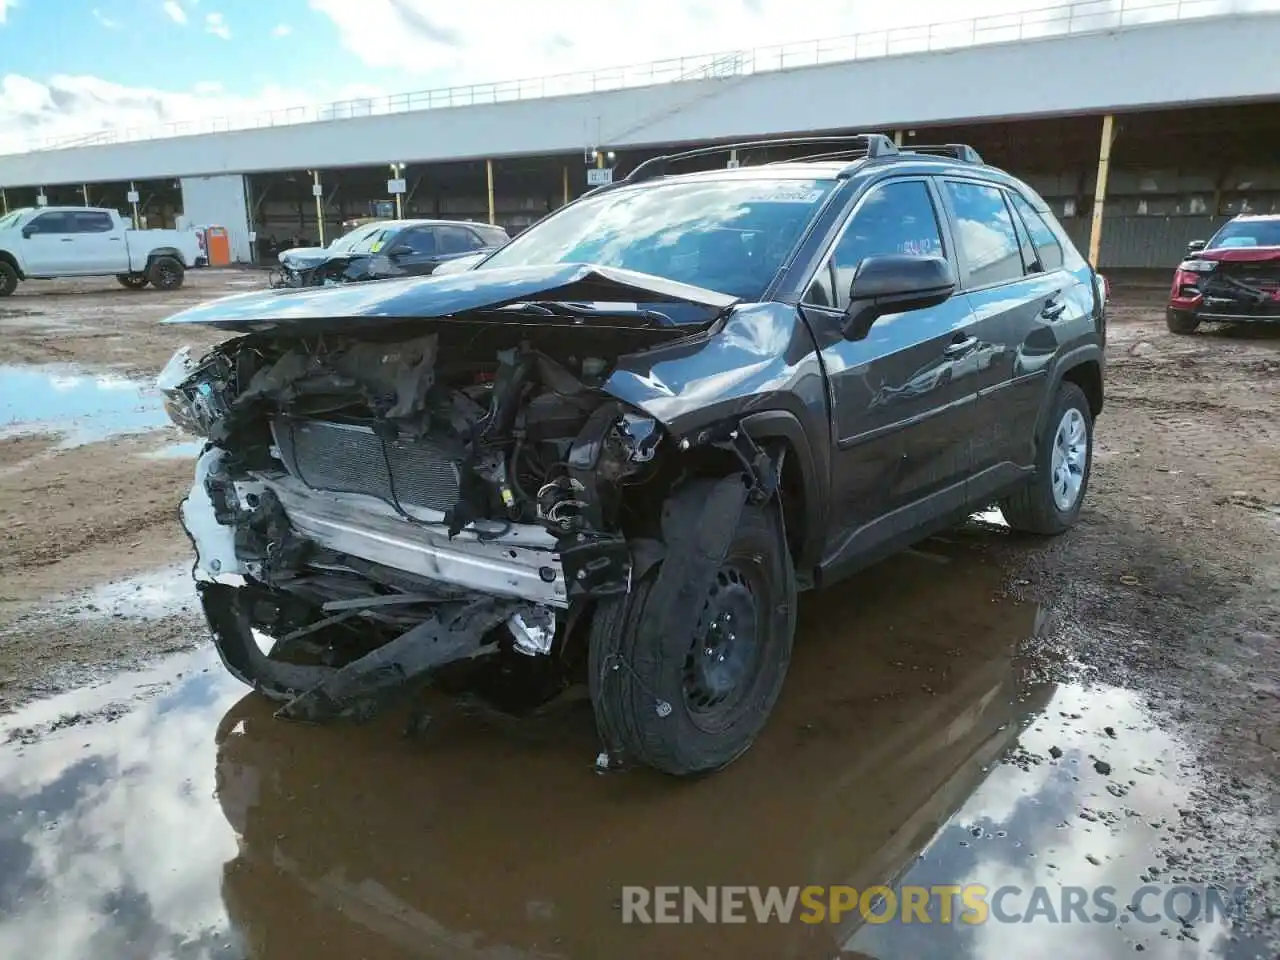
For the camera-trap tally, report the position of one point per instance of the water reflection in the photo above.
(129, 827)
(84, 406)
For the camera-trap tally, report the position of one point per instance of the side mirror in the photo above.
(895, 283)
(1195, 245)
(400, 250)
(27, 232)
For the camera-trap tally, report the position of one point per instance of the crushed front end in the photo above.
(1228, 287)
(374, 510)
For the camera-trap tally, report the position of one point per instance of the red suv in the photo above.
(1234, 278)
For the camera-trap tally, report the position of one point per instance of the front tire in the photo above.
(693, 702)
(1181, 322)
(8, 279)
(166, 273)
(133, 281)
(1050, 503)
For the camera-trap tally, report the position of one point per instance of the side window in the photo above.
(457, 240)
(420, 241)
(91, 221)
(50, 223)
(1046, 241)
(985, 233)
(896, 217)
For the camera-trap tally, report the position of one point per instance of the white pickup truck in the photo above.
(40, 243)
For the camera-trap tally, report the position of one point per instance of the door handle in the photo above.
(1054, 308)
(68, 240)
(957, 347)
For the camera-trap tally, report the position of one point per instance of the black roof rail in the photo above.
(956, 151)
(873, 144)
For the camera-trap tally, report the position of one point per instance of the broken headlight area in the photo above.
(468, 498)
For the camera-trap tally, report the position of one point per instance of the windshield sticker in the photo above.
(376, 246)
(791, 193)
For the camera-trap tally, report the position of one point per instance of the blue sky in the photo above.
(75, 67)
(141, 43)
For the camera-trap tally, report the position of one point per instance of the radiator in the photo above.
(351, 458)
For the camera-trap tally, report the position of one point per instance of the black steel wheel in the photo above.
(692, 701)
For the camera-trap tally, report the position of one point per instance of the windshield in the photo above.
(730, 236)
(348, 240)
(11, 219)
(1247, 233)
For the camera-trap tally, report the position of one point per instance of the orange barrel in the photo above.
(218, 245)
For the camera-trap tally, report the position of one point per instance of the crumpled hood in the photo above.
(435, 297)
(1238, 254)
(306, 257)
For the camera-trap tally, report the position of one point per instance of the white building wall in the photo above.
(220, 201)
(1159, 65)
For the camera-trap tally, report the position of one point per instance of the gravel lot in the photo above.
(1168, 591)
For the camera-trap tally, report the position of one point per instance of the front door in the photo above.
(49, 247)
(901, 398)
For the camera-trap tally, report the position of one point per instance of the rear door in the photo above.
(99, 246)
(1016, 291)
(457, 242)
(901, 414)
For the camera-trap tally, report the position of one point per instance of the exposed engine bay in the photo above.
(364, 496)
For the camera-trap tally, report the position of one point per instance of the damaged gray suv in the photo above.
(613, 451)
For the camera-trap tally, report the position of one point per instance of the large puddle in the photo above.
(168, 814)
(80, 406)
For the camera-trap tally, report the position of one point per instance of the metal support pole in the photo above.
(4, 204)
(564, 178)
(319, 193)
(397, 171)
(84, 192)
(133, 193)
(897, 138)
(1100, 188)
(488, 168)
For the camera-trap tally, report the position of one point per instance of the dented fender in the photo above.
(758, 370)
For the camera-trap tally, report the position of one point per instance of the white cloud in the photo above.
(500, 39)
(282, 30)
(5, 7)
(64, 106)
(102, 18)
(175, 11)
(215, 24)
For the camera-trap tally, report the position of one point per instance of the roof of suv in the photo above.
(906, 161)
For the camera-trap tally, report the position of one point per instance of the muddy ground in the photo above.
(1121, 682)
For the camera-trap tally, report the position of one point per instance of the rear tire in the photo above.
(693, 704)
(133, 281)
(1050, 503)
(8, 279)
(1179, 321)
(166, 273)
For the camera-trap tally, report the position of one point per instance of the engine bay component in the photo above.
(534, 633)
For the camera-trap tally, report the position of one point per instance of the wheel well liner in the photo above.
(1087, 375)
(801, 480)
(12, 261)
